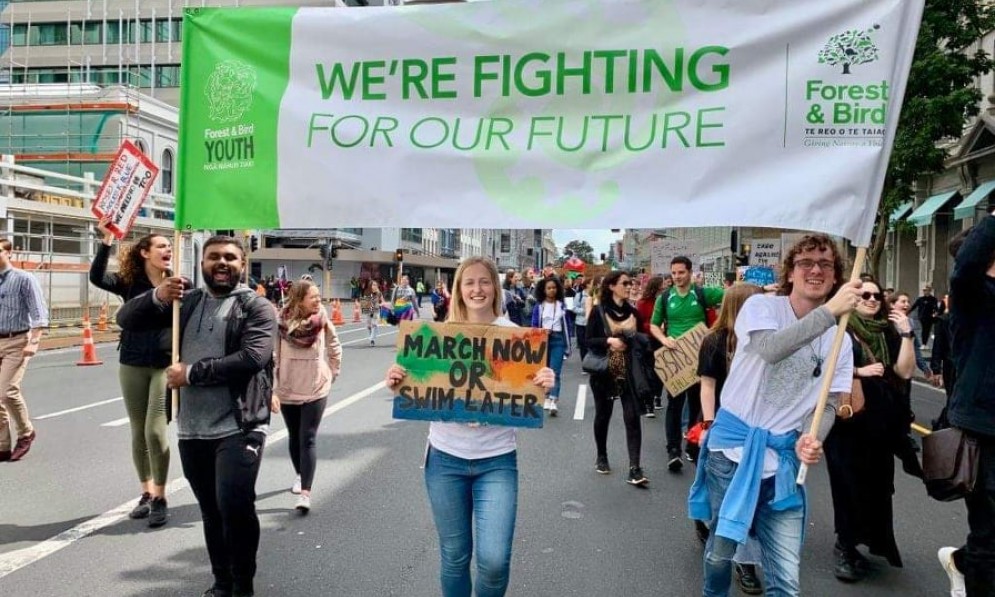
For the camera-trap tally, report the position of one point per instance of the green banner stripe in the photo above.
(231, 87)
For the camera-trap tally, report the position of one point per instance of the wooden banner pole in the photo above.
(834, 355)
(178, 259)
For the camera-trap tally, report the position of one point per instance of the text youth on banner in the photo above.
(124, 189)
(468, 373)
(678, 367)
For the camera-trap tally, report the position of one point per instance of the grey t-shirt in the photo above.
(207, 412)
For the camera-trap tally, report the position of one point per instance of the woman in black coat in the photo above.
(613, 330)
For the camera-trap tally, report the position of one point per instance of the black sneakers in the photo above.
(701, 531)
(601, 465)
(636, 477)
(675, 462)
(851, 565)
(749, 582)
(158, 513)
(142, 509)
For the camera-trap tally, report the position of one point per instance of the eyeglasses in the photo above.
(878, 296)
(626, 283)
(809, 264)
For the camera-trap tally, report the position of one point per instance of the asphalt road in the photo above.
(370, 531)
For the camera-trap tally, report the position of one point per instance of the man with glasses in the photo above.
(677, 311)
(745, 481)
(23, 316)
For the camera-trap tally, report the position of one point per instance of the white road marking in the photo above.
(77, 409)
(380, 335)
(581, 402)
(115, 423)
(928, 386)
(13, 561)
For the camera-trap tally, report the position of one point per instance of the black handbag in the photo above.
(949, 464)
(594, 363)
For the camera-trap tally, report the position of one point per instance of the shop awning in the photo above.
(924, 214)
(900, 212)
(965, 209)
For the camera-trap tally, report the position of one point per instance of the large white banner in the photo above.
(545, 114)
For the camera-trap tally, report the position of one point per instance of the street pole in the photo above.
(326, 284)
(248, 267)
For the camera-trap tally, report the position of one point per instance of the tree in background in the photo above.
(941, 94)
(579, 248)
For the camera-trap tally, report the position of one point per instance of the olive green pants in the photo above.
(144, 390)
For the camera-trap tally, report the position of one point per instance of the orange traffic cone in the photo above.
(337, 318)
(102, 322)
(355, 311)
(89, 350)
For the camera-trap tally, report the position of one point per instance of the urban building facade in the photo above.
(110, 42)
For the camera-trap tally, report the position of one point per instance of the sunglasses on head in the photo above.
(872, 295)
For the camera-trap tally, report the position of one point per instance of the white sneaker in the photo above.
(296, 487)
(546, 403)
(303, 504)
(552, 408)
(946, 557)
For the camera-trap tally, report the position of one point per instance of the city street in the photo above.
(370, 532)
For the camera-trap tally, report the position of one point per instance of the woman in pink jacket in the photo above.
(308, 358)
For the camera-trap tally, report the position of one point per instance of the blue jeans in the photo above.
(473, 493)
(779, 535)
(557, 348)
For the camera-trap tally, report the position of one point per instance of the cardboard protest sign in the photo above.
(467, 373)
(678, 367)
(126, 185)
(760, 275)
(766, 252)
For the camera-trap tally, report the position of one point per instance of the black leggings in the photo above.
(302, 428)
(603, 407)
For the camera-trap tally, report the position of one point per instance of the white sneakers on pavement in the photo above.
(303, 504)
(552, 408)
(946, 557)
(296, 487)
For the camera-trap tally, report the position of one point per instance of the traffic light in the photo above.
(323, 251)
(602, 257)
(399, 255)
(335, 252)
(253, 244)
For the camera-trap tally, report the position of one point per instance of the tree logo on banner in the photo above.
(850, 48)
(230, 89)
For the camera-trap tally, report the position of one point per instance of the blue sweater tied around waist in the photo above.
(740, 502)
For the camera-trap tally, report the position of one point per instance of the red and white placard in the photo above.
(126, 185)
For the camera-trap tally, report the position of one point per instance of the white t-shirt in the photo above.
(551, 316)
(778, 396)
(470, 441)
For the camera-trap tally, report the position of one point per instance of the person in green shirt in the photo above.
(676, 312)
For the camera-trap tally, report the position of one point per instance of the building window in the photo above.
(113, 32)
(163, 30)
(506, 243)
(167, 172)
(146, 29)
(20, 36)
(141, 146)
(413, 235)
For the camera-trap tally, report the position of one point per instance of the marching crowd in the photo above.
(746, 427)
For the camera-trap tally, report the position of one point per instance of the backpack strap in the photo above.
(702, 301)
